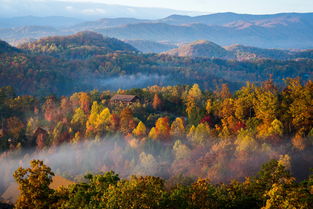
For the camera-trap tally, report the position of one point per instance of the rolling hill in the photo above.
(81, 45)
(242, 52)
(206, 49)
(200, 49)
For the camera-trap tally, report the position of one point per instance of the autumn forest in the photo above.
(216, 136)
(90, 122)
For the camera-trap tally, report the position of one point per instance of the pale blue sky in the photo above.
(212, 6)
(95, 9)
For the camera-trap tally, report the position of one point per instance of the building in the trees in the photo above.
(125, 99)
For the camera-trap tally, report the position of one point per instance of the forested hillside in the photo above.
(201, 49)
(173, 132)
(82, 45)
(86, 61)
(199, 127)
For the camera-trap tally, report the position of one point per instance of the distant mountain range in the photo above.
(285, 31)
(268, 31)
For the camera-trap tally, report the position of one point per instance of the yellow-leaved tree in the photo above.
(140, 130)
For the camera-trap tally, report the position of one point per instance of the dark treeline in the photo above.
(272, 188)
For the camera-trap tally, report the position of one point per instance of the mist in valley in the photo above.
(132, 81)
(220, 160)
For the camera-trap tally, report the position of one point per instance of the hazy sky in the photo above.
(241, 6)
(95, 9)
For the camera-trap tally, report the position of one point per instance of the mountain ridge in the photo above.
(284, 30)
(63, 71)
(208, 49)
(81, 45)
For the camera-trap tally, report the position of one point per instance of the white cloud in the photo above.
(93, 11)
(69, 8)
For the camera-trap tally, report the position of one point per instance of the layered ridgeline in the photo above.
(289, 30)
(286, 30)
(87, 60)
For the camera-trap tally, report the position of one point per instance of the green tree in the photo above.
(202, 195)
(89, 194)
(138, 192)
(34, 184)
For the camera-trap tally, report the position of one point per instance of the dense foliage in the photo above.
(171, 131)
(192, 136)
(272, 188)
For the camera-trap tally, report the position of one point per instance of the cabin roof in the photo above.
(124, 98)
(40, 131)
